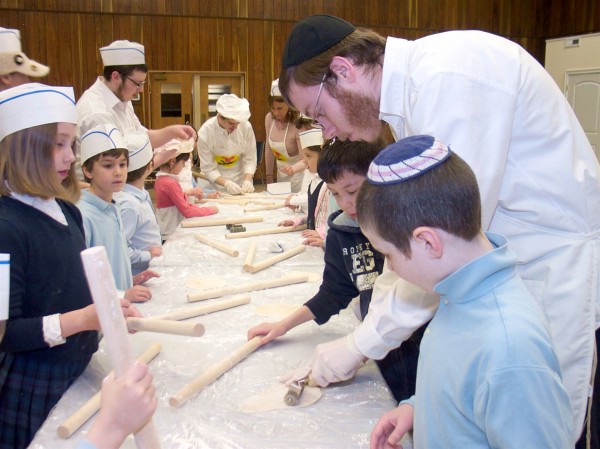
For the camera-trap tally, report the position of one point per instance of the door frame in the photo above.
(196, 75)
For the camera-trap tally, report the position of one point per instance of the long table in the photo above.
(342, 418)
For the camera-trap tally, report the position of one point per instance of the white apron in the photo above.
(282, 159)
(230, 164)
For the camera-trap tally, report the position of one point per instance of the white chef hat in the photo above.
(232, 107)
(312, 137)
(275, 92)
(100, 139)
(12, 58)
(123, 53)
(182, 146)
(140, 150)
(34, 104)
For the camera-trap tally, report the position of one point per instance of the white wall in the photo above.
(559, 59)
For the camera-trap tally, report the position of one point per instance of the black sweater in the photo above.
(351, 267)
(46, 277)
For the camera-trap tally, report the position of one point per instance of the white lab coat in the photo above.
(228, 155)
(497, 108)
(100, 106)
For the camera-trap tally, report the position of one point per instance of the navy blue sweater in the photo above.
(46, 277)
(351, 267)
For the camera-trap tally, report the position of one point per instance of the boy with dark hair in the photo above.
(104, 157)
(351, 265)
(488, 375)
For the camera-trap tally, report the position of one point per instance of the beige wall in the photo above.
(560, 59)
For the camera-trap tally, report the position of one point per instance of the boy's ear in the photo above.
(429, 238)
(87, 173)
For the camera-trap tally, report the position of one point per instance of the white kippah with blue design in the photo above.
(406, 159)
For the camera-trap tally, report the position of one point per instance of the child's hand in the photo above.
(314, 241)
(213, 209)
(138, 293)
(145, 276)
(270, 331)
(391, 427)
(197, 192)
(308, 233)
(288, 170)
(127, 405)
(214, 195)
(155, 251)
(286, 223)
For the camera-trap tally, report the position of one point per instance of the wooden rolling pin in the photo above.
(273, 260)
(217, 245)
(165, 326)
(214, 372)
(108, 307)
(277, 230)
(87, 410)
(250, 254)
(267, 207)
(287, 279)
(218, 221)
(190, 312)
(241, 202)
(265, 196)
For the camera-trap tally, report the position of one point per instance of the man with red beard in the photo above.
(108, 100)
(502, 113)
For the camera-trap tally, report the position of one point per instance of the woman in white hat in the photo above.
(227, 146)
(282, 145)
(51, 331)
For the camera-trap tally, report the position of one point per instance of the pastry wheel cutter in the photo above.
(295, 390)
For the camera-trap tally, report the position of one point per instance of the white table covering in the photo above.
(343, 417)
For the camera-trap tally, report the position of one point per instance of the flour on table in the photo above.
(276, 310)
(272, 399)
(205, 283)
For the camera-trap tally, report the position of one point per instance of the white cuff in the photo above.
(52, 331)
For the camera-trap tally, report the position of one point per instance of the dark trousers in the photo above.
(595, 412)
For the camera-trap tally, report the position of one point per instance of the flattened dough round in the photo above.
(276, 310)
(205, 283)
(272, 399)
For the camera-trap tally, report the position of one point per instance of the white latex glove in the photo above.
(292, 376)
(232, 188)
(335, 361)
(247, 186)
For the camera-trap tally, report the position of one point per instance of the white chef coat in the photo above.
(497, 108)
(100, 106)
(229, 155)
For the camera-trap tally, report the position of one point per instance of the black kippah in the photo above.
(313, 35)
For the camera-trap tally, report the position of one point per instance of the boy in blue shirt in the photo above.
(104, 158)
(488, 375)
(140, 226)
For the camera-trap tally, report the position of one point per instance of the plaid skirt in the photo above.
(28, 391)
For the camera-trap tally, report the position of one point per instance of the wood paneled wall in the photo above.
(249, 35)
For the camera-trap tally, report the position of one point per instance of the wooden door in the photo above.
(583, 94)
(171, 98)
(210, 87)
